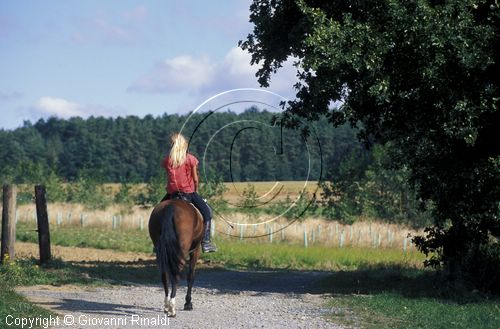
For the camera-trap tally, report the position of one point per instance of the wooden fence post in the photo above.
(8, 222)
(43, 224)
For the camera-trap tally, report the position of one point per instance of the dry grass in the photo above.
(269, 191)
(315, 231)
(263, 228)
(70, 214)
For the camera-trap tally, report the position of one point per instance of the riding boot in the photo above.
(207, 245)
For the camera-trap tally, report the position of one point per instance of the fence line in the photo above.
(308, 232)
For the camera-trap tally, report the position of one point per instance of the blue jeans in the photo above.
(202, 206)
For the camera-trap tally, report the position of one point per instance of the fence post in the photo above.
(43, 224)
(8, 222)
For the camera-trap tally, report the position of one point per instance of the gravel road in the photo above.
(221, 299)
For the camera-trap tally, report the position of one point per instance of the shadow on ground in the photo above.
(407, 282)
(91, 307)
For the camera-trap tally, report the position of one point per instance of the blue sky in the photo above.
(113, 58)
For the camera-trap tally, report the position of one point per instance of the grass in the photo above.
(389, 310)
(234, 190)
(11, 303)
(235, 254)
(363, 233)
(90, 237)
(249, 255)
(17, 306)
(399, 297)
(26, 272)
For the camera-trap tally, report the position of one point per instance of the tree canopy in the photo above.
(422, 75)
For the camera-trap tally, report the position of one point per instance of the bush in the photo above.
(304, 206)
(213, 191)
(481, 265)
(154, 192)
(90, 191)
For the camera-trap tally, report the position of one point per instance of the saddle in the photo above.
(185, 197)
(180, 196)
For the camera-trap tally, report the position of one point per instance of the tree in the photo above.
(420, 74)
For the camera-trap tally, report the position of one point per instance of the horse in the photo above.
(176, 229)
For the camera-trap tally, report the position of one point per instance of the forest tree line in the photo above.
(239, 147)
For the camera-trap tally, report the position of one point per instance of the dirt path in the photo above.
(75, 254)
(221, 299)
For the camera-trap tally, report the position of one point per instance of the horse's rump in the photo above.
(175, 227)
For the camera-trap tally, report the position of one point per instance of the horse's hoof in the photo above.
(188, 307)
(170, 315)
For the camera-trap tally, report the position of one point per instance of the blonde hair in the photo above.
(179, 149)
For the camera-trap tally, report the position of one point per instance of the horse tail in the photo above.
(168, 254)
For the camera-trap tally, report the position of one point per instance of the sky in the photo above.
(67, 58)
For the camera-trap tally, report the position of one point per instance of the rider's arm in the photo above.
(195, 177)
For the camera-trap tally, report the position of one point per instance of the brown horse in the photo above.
(176, 229)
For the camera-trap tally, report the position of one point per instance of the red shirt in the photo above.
(180, 178)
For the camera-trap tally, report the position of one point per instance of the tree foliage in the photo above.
(420, 74)
(130, 149)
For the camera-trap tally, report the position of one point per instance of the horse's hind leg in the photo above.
(164, 280)
(169, 306)
(188, 306)
(170, 300)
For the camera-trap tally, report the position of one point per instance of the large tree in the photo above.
(422, 75)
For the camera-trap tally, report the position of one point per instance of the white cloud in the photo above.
(58, 107)
(204, 77)
(175, 75)
(237, 61)
(53, 106)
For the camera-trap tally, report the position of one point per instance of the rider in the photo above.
(182, 177)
